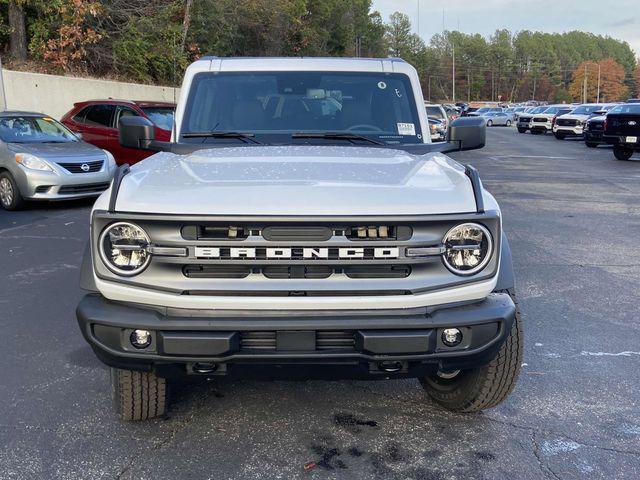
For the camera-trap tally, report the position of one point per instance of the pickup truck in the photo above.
(622, 130)
(300, 223)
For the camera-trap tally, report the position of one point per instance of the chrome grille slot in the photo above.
(216, 271)
(378, 271)
(214, 232)
(258, 341)
(302, 233)
(297, 271)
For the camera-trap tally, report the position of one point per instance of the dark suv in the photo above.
(97, 122)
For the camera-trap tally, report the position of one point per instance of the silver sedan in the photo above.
(498, 118)
(40, 159)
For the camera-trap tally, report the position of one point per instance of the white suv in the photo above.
(301, 219)
(572, 124)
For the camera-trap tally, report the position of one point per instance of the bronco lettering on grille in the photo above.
(293, 253)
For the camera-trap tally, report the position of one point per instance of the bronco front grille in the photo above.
(295, 257)
(541, 119)
(524, 119)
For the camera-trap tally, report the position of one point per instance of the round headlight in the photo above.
(468, 248)
(123, 248)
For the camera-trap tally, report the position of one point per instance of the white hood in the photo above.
(570, 116)
(296, 180)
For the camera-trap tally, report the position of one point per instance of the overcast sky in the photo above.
(617, 18)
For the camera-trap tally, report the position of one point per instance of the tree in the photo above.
(69, 49)
(401, 41)
(612, 78)
(17, 25)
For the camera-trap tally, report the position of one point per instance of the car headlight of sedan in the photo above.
(468, 248)
(32, 162)
(111, 162)
(123, 247)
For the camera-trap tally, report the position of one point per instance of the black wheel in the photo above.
(622, 153)
(560, 136)
(10, 196)
(591, 144)
(138, 395)
(489, 123)
(474, 390)
(522, 130)
(508, 123)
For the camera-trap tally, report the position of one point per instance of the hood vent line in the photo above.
(115, 186)
(472, 173)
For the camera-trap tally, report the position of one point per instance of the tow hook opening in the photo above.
(390, 366)
(204, 368)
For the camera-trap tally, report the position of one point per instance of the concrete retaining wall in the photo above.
(55, 95)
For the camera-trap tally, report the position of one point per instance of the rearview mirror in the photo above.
(136, 132)
(469, 133)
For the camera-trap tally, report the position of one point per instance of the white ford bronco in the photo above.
(301, 224)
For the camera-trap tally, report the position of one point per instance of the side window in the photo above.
(99, 115)
(79, 117)
(125, 112)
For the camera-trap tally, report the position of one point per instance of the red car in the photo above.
(97, 121)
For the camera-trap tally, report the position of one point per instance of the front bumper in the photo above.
(36, 185)
(359, 343)
(540, 127)
(576, 130)
(524, 125)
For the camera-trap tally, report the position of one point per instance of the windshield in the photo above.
(273, 106)
(586, 109)
(633, 108)
(434, 112)
(160, 116)
(538, 110)
(553, 110)
(34, 130)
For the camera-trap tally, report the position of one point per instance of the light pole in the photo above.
(598, 101)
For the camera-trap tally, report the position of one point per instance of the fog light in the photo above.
(451, 337)
(140, 338)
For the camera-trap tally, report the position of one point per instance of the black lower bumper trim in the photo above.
(307, 338)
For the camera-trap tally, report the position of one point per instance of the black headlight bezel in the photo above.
(488, 255)
(105, 258)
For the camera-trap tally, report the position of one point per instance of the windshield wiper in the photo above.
(245, 137)
(336, 136)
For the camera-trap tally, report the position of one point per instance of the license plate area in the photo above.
(295, 340)
(631, 139)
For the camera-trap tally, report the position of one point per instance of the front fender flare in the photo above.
(506, 276)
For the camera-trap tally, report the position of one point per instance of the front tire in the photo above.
(10, 196)
(489, 123)
(622, 153)
(485, 387)
(508, 123)
(138, 395)
(522, 130)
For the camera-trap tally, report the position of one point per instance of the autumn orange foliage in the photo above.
(69, 49)
(612, 87)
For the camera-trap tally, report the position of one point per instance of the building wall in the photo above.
(54, 95)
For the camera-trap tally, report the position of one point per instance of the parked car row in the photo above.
(43, 159)
(616, 124)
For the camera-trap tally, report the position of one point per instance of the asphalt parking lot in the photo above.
(573, 218)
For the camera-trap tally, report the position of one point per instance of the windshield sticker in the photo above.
(382, 85)
(406, 129)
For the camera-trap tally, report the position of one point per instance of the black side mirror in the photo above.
(136, 132)
(468, 133)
